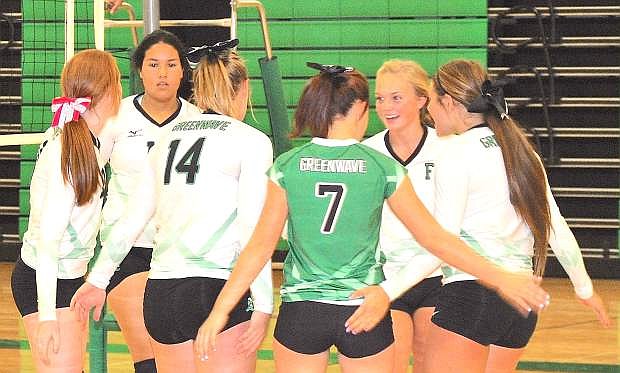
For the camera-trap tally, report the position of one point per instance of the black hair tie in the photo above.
(218, 50)
(491, 99)
(330, 69)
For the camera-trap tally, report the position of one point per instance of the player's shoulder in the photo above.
(290, 155)
(376, 141)
(188, 109)
(128, 104)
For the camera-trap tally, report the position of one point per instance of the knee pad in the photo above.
(145, 366)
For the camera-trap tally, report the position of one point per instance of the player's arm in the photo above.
(518, 289)
(58, 204)
(417, 269)
(123, 234)
(114, 5)
(257, 158)
(252, 259)
(566, 249)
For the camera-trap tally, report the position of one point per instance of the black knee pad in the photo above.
(145, 366)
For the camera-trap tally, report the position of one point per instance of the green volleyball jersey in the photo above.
(335, 191)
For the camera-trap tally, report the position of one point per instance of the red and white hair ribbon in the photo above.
(67, 109)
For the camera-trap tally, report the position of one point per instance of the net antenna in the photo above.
(70, 28)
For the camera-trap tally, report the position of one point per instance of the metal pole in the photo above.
(150, 8)
(69, 29)
(233, 19)
(98, 19)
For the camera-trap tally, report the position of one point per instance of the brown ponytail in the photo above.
(326, 96)
(79, 160)
(463, 80)
(526, 182)
(90, 73)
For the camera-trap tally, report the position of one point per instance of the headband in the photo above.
(218, 50)
(491, 99)
(67, 109)
(330, 69)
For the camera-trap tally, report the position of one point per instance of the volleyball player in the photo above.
(66, 195)
(126, 140)
(205, 185)
(332, 191)
(491, 188)
(402, 91)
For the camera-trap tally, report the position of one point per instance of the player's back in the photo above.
(197, 166)
(335, 193)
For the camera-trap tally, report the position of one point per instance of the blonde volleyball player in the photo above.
(332, 191)
(401, 93)
(204, 185)
(66, 195)
(125, 141)
(491, 188)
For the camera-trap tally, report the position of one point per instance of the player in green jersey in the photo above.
(332, 192)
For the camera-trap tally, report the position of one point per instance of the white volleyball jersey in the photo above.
(61, 236)
(396, 241)
(125, 141)
(472, 199)
(204, 186)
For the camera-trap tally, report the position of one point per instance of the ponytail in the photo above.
(468, 83)
(526, 183)
(79, 164)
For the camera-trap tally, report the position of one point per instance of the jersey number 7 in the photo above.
(337, 192)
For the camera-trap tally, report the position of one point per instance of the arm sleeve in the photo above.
(418, 268)
(58, 204)
(394, 179)
(111, 211)
(256, 160)
(125, 231)
(566, 249)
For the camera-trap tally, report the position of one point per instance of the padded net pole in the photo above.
(276, 104)
(272, 82)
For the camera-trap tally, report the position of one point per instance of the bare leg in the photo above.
(290, 361)
(503, 359)
(126, 301)
(73, 336)
(226, 359)
(378, 363)
(421, 327)
(181, 358)
(174, 358)
(402, 326)
(448, 352)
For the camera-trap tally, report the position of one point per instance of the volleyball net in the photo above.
(53, 31)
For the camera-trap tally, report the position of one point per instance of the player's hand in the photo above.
(113, 5)
(596, 304)
(48, 340)
(85, 298)
(252, 338)
(522, 291)
(207, 334)
(369, 313)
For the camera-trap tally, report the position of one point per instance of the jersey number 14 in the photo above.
(188, 163)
